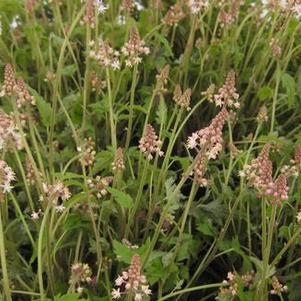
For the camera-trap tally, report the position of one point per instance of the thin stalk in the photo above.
(4, 52)
(137, 200)
(146, 120)
(231, 156)
(78, 244)
(18, 209)
(87, 80)
(270, 236)
(21, 168)
(173, 139)
(6, 288)
(286, 246)
(183, 223)
(149, 109)
(131, 109)
(25, 293)
(40, 253)
(188, 49)
(266, 255)
(214, 247)
(191, 289)
(263, 225)
(57, 83)
(174, 29)
(96, 233)
(211, 252)
(26, 146)
(165, 211)
(174, 112)
(278, 75)
(112, 123)
(249, 229)
(36, 147)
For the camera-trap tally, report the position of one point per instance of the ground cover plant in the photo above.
(150, 150)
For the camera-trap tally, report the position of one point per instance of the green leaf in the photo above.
(123, 252)
(298, 79)
(69, 70)
(271, 270)
(68, 297)
(44, 110)
(169, 189)
(289, 84)
(188, 249)
(103, 161)
(283, 232)
(161, 112)
(265, 93)
(206, 228)
(165, 43)
(75, 221)
(155, 271)
(125, 200)
(258, 263)
(184, 161)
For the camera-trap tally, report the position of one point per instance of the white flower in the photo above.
(60, 208)
(138, 297)
(142, 279)
(283, 4)
(6, 187)
(196, 5)
(2, 142)
(66, 194)
(297, 10)
(128, 286)
(119, 281)
(242, 173)
(101, 7)
(191, 143)
(298, 216)
(145, 289)
(128, 63)
(35, 215)
(115, 64)
(15, 23)
(116, 294)
(121, 20)
(230, 276)
(139, 5)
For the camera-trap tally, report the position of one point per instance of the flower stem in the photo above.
(131, 109)
(191, 289)
(278, 74)
(6, 289)
(137, 200)
(112, 123)
(87, 81)
(40, 254)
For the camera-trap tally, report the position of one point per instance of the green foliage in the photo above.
(289, 85)
(44, 110)
(93, 190)
(122, 198)
(69, 297)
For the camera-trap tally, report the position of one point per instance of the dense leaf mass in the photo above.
(150, 150)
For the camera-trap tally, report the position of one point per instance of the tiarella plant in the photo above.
(150, 150)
